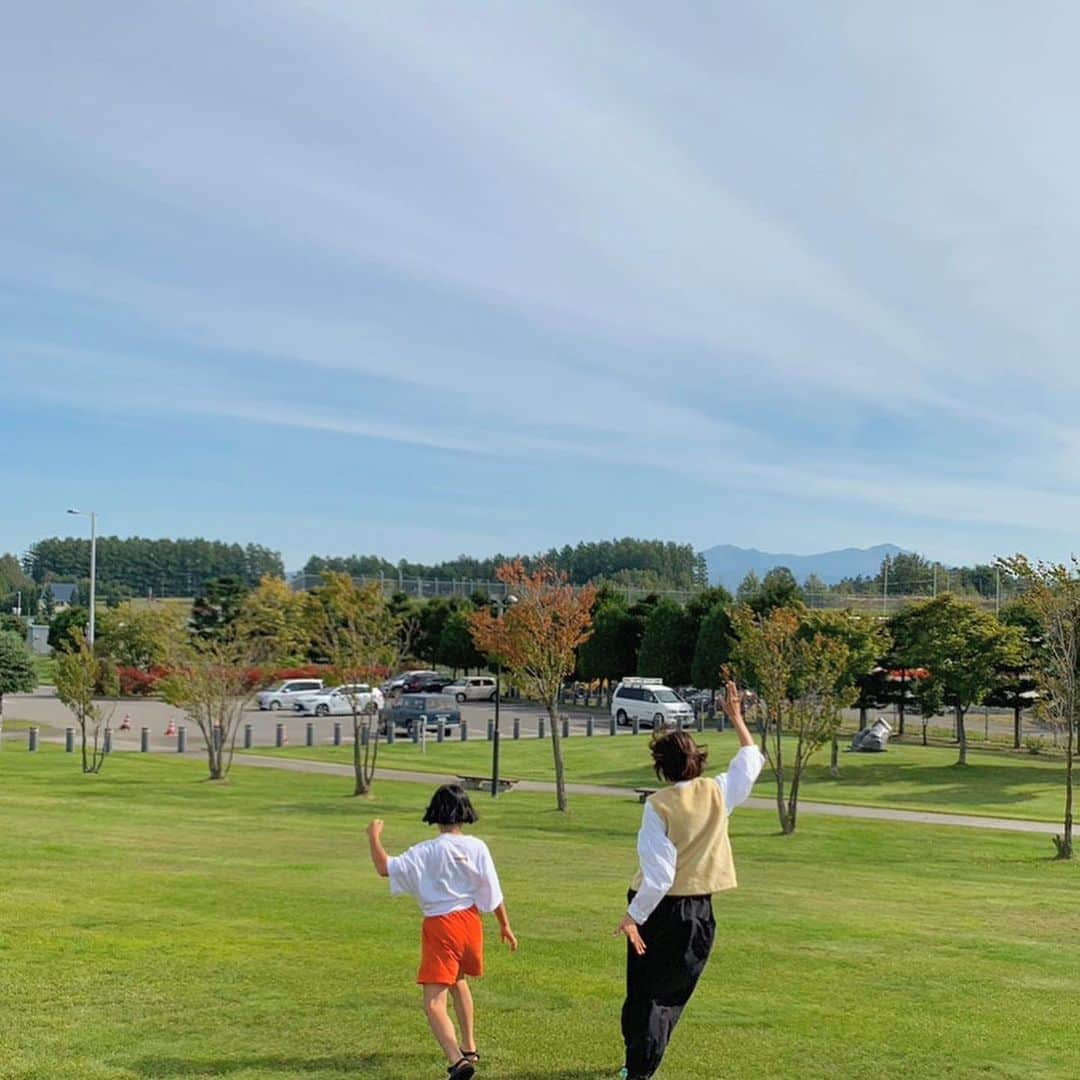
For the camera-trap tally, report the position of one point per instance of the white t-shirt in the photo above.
(450, 872)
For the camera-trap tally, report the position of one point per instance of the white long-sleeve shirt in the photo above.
(657, 854)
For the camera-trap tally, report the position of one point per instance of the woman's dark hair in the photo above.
(677, 757)
(450, 806)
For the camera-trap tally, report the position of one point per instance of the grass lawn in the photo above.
(907, 777)
(45, 669)
(156, 927)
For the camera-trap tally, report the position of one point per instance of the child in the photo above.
(685, 857)
(453, 879)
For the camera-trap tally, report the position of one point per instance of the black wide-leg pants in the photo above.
(678, 938)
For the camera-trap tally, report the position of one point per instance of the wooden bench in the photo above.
(643, 793)
(483, 783)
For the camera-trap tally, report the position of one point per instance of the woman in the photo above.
(685, 857)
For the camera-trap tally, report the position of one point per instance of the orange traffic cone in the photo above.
(171, 729)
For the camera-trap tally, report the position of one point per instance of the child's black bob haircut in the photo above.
(450, 806)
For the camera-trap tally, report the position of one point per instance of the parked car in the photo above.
(650, 701)
(397, 683)
(287, 693)
(471, 688)
(428, 682)
(339, 701)
(412, 709)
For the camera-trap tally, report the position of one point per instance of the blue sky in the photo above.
(431, 278)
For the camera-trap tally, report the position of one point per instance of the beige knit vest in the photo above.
(696, 821)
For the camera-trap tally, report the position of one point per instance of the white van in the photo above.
(649, 701)
(288, 693)
(471, 688)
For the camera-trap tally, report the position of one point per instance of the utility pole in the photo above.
(885, 587)
(93, 570)
(997, 603)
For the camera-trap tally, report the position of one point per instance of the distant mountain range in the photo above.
(729, 565)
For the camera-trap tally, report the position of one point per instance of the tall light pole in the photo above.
(501, 603)
(93, 569)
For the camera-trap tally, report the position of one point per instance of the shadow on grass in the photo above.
(568, 1074)
(165, 1068)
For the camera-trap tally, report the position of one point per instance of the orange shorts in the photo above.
(451, 946)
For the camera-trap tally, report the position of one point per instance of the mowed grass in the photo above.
(157, 927)
(907, 776)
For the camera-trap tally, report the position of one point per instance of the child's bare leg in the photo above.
(442, 1027)
(463, 1006)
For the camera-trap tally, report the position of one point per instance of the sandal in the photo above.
(470, 1055)
(463, 1070)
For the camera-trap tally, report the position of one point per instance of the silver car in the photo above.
(288, 693)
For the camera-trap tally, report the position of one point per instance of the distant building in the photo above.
(63, 593)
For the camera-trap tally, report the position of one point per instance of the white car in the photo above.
(340, 701)
(649, 701)
(287, 693)
(471, 688)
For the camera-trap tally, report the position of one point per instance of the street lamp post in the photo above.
(93, 569)
(501, 604)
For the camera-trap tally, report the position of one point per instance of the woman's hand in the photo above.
(732, 702)
(633, 935)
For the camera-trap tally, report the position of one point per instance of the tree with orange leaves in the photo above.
(537, 637)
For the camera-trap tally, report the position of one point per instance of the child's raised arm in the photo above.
(378, 852)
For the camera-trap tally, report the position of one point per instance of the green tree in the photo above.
(611, 651)
(749, 589)
(712, 651)
(963, 648)
(81, 676)
(61, 626)
(667, 647)
(16, 669)
(801, 677)
(141, 637)
(778, 589)
(358, 633)
(277, 623)
(1053, 592)
(217, 607)
(456, 646)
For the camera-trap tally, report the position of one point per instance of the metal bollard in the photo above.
(337, 732)
(106, 743)
(701, 723)
(540, 727)
(566, 727)
(279, 735)
(416, 730)
(144, 740)
(464, 730)
(611, 729)
(249, 735)
(365, 736)
(635, 725)
(219, 737)
(517, 727)
(391, 732)
(31, 743)
(69, 740)
(310, 739)
(440, 731)
(181, 739)
(491, 730)
(678, 723)
(589, 728)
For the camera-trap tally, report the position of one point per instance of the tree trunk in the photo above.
(793, 803)
(834, 759)
(556, 749)
(361, 786)
(1016, 727)
(961, 735)
(1064, 842)
(900, 718)
(862, 717)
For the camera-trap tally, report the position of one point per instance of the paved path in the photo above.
(864, 813)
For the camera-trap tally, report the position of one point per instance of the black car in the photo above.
(426, 684)
(411, 709)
